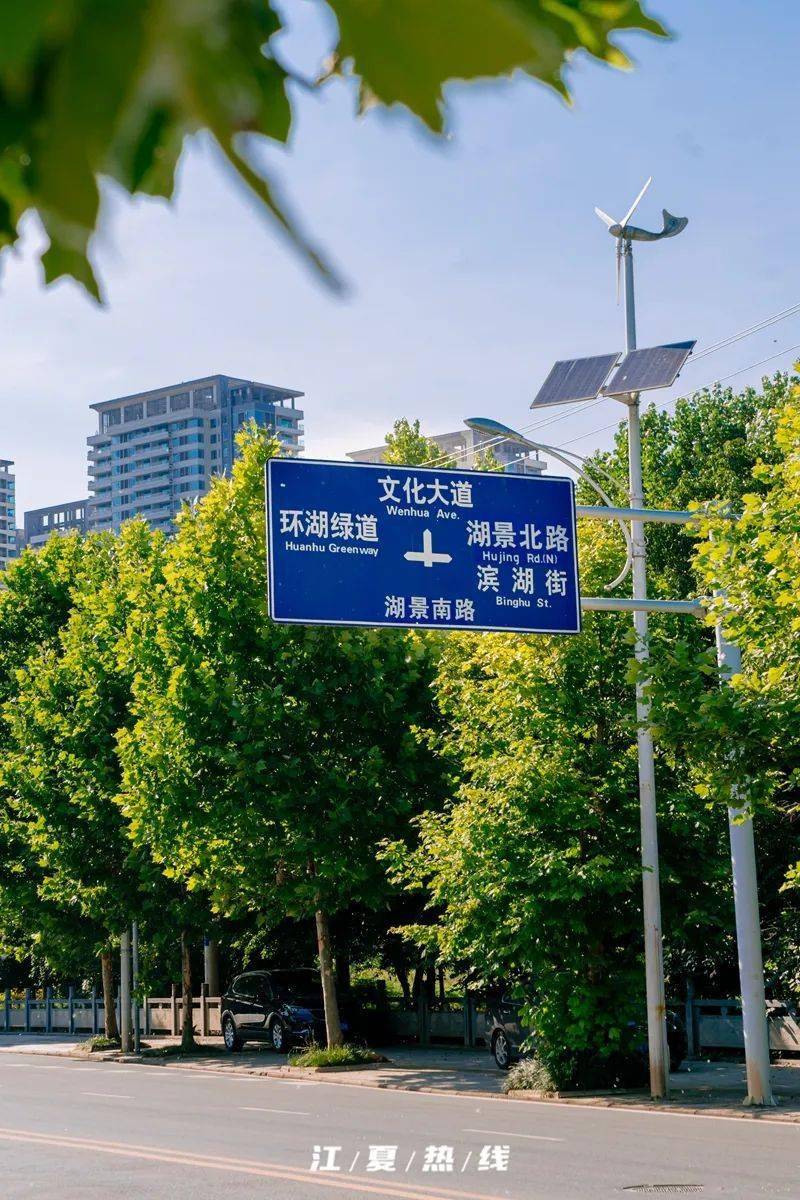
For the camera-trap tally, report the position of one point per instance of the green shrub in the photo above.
(333, 1056)
(530, 1074)
(101, 1042)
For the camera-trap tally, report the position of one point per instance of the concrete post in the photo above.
(211, 965)
(204, 1009)
(126, 1039)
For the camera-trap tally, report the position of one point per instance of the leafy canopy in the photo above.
(91, 89)
(267, 762)
(407, 445)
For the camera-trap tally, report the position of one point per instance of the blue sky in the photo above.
(473, 263)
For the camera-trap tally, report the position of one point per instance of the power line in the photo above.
(743, 333)
(758, 327)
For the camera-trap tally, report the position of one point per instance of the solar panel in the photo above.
(654, 367)
(575, 379)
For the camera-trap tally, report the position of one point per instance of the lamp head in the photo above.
(496, 429)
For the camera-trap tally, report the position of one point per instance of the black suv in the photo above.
(279, 1007)
(505, 1033)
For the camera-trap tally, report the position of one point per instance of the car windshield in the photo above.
(299, 985)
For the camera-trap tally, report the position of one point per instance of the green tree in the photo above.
(706, 449)
(406, 445)
(532, 872)
(92, 90)
(745, 737)
(61, 769)
(35, 604)
(268, 762)
(733, 448)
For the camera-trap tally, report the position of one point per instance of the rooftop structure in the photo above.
(155, 449)
(465, 446)
(40, 523)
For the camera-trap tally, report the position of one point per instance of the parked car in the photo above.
(281, 1007)
(506, 1034)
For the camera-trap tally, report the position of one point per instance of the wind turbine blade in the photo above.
(619, 268)
(609, 221)
(635, 204)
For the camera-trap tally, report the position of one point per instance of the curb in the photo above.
(616, 1100)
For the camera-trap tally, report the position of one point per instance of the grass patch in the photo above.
(530, 1075)
(333, 1056)
(101, 1042)
(175, 1050)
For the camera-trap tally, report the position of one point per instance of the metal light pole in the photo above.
(651, 888)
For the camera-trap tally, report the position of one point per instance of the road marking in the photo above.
(287, 1112)
(37, 1066)
(534, 1137)
(107, 1095)
(242, 1166)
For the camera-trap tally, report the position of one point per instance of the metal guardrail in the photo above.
(716, 1024)
(76, 1013)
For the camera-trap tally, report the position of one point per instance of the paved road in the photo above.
(143, 1132)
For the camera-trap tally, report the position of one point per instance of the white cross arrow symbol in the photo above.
(426, 556)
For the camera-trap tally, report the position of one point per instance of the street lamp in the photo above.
(504, 433)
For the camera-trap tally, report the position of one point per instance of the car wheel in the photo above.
(230, 1036)
(279, 1036)
(501, 1050)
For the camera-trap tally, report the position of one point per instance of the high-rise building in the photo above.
(40, 523)
(465, 445)
(8, 514)
(155, 449)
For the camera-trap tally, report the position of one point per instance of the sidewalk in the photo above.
(707, 1087)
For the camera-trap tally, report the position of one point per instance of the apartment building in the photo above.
(40, 523)
(465, 445)
(8, 513)
(155, 449)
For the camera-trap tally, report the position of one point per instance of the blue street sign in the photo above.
(364, 544)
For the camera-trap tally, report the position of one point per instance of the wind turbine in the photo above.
(625, 233)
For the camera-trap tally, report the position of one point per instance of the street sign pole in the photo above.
(137, 1040)
(748, 925)
(651, 888)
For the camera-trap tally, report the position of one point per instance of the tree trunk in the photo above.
(187, 1024)
(430, 983)
(109, 1007)
(333, 1026)
(416, 987)
(396, 958)
(442, 993)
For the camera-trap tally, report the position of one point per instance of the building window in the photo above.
(112, 416)
(134, 412)
(204, 397)
(156, 407)
(179, 401)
